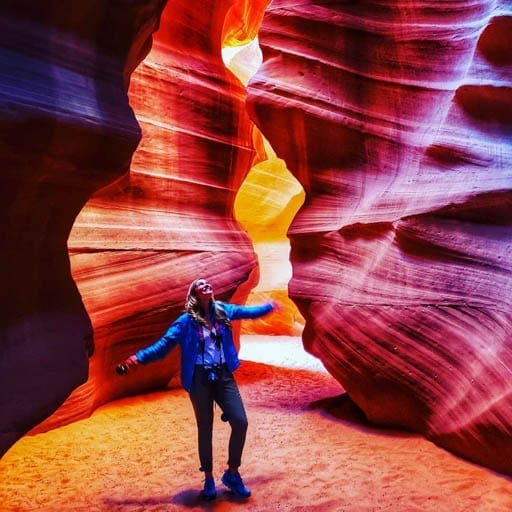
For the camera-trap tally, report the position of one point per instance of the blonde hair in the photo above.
(193, 306)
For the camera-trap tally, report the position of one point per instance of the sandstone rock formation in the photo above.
(142, 236)
(67, 130)
(139, 242)
(396, 118)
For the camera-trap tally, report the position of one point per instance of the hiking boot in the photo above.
(234, 482)
(209, 492)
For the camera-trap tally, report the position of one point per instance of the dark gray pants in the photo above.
(224, 392)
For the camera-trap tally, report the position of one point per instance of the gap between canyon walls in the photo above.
(265, 206)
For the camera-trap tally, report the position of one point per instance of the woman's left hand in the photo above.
(276, 306)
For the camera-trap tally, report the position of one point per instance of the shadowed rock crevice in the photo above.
(68, 131)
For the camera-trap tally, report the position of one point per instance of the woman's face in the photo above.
(203, 289)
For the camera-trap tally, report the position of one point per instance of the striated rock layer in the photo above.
(396, 118)
(67, 130)
(142, 236)
(139, 242)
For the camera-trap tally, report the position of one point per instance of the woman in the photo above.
(208, 360)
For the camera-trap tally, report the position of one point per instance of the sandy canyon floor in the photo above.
(308, 449)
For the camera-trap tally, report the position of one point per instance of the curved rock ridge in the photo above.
(395, 118)
(68, 130)
(140, 241)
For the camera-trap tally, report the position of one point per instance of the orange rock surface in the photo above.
(139, 242)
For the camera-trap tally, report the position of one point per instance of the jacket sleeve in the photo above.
(160, 348)
(235, 312)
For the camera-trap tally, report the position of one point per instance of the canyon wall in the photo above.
(396, 118)
(67, 131)
(101, 243)
(139, 242)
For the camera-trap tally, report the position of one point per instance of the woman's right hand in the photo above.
(122, 368)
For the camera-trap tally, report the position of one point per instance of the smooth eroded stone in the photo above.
(395, 118)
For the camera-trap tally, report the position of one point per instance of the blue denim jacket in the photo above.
(185, 332)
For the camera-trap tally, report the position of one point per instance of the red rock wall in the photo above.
(67, 130)
(139, 242)
(142, 236)
(396, 118)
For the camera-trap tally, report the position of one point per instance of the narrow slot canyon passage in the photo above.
(308, 448)
(129, 443)
(265, 205)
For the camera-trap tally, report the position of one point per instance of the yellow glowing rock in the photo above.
(268, 200)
